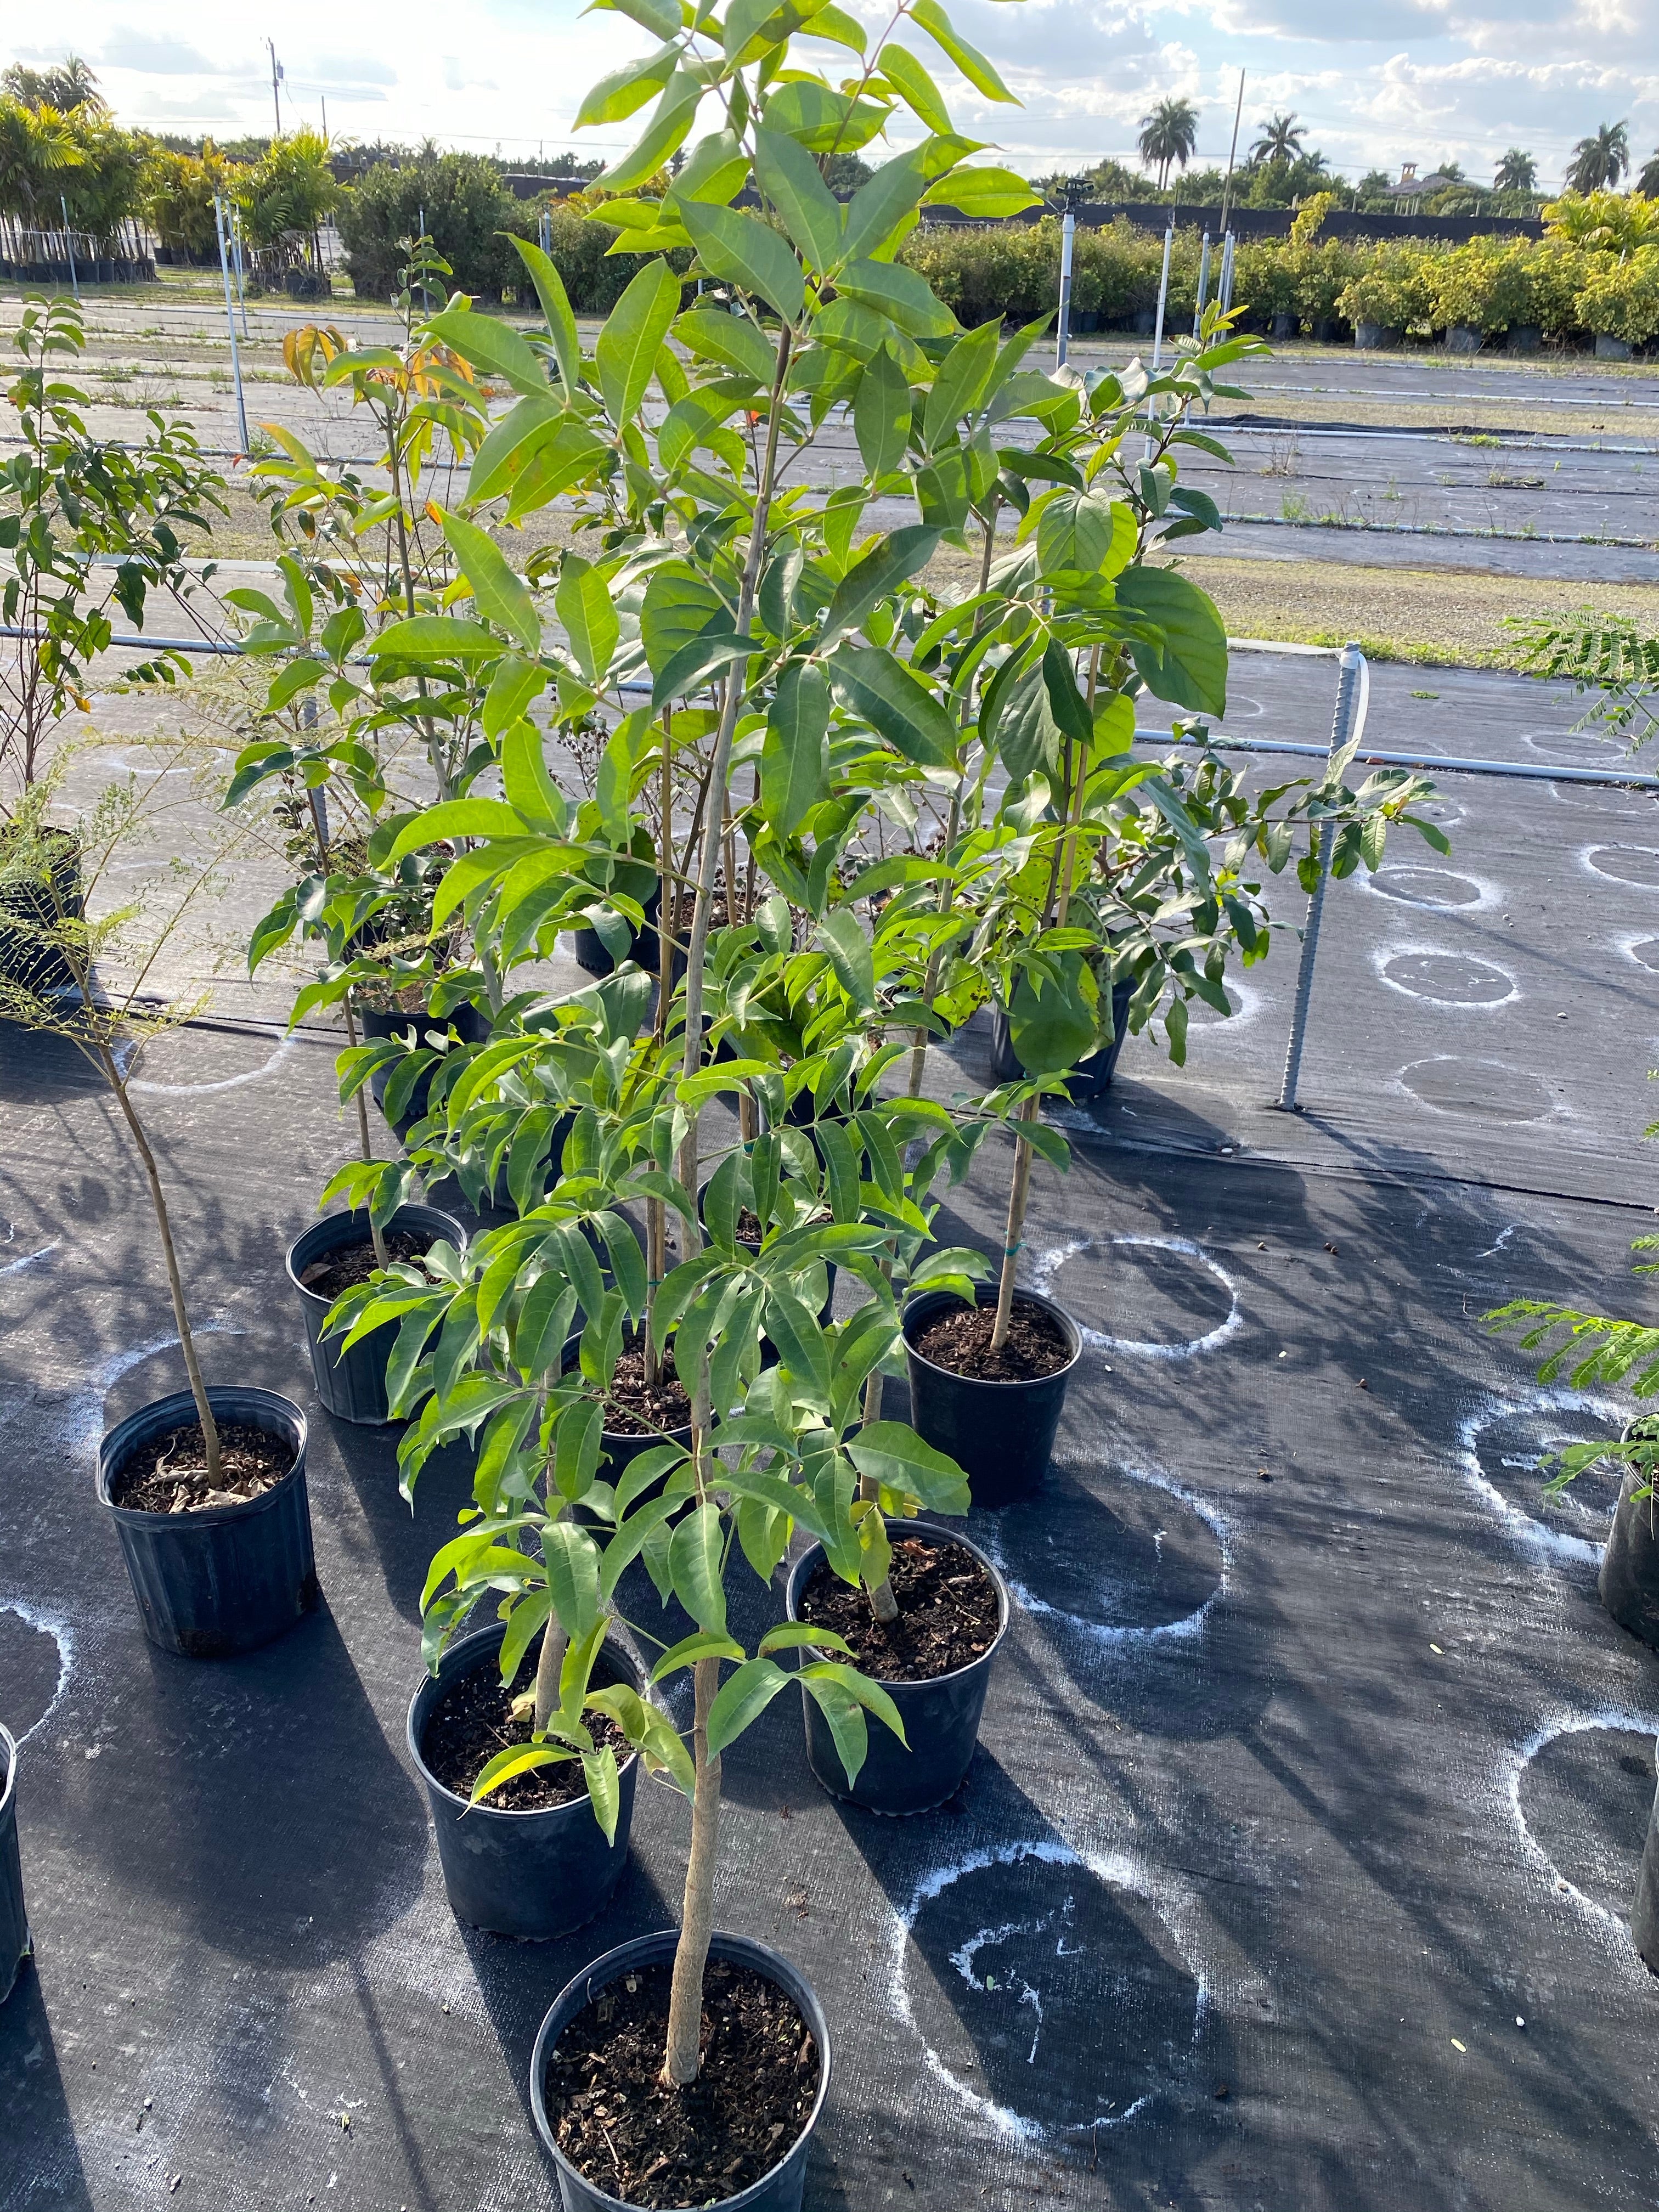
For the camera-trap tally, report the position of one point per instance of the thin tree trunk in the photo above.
(117, 1083)
(720, 767)
(551, 1661)
(319, 822)
(1013, 1238)
(683, 2056)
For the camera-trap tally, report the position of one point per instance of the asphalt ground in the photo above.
(1291, 1868)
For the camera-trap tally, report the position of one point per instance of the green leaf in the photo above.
(915, 87)
(692, 666)
(676, 113)
(987, 195)
(626, 354)
(662, 16)
(1190, 668)
(434, 637)
(519, 1759)
(893, 1454)
(852, 956)
(888, 564)
(604, 1788)
(881, 413)
(964, 378)
(583, 604)
(694, 1563)
(870, 683)
(929, 16)
(1051, 1024)
(742, 250)
(847, 1724)
(901, 294)
(741, 1699)
(878, 207)
(1085, 532)
(792, 181)
(705, 1644)
(499, 596)
(752, 26)
(794, 1329)
(680, 607)
(573, 1575)
(716, 169)
(795, 756)
(493, 346)
(863, 1692)
(732, 340)
(821, 120)
(791, 1635)
(626, 90)
(555, 306)
(456, 817)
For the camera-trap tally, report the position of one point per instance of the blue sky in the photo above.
(1380, 82)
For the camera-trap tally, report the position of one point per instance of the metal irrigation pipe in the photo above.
(1524, 771)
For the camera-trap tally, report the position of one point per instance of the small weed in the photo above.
(1391, 489)
(1293, 508)
(1284, 459)
(1425, 695)
(1478, 438)
(1499, 482)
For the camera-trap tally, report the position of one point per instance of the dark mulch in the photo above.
(960, 1339)
(948, 1612)
(473, 1720)
(638, 1408)
(632, 2134)
(169, 1473)
(340, 1271)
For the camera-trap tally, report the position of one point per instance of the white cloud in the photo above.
(153, 56)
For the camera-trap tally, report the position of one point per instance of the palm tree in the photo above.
(1647, 183)
(1280, 140)
(1516, 173)
(1600, 160)
(34, 147)
(1168, 134)
(65, 85)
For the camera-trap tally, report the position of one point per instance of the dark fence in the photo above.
(1266, 222)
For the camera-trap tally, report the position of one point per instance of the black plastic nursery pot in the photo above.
(229, 1579)
(1000, 1434)
(352, 1384)
(1629, 1580)
(535, 1874)
(27, 906)
(1644, 1912)
(13, 1921)
(1093, 1076)
(470, 1026)
(941, 1718)
(780, 2191)
(589, 949)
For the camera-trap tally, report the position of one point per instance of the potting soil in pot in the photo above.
(630, 2134)
(948, 1612)
(959, 1339)
(636, 1407)
(337, 1272)
(169, 1474)
(474, 1719)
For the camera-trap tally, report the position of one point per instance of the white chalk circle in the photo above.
(1127, 1572)
(1634, 866)
(1579, 1790)
(1175, 1278)
(1600, 799)
(1486, 1090)
(1573, 748)
(1440, 978)
(1439, 890)
(1500, 1447)
(1005, 1965)
(37, 1650)
(1244, 1000)
(209, 1048)
(1644, 950)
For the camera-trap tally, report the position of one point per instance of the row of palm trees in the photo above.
(1169, 135)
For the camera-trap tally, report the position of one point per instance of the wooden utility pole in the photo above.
(275, 82)
(1232, 155)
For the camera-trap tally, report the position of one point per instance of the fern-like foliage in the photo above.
(1602, 1350)
(1604, 653)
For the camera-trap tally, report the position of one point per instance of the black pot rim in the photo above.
(8, 1787)
(723, 1942)
(985, 1294)
(799, 1575)
(361, 1212)
(211, 1517)
(492, 1632)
